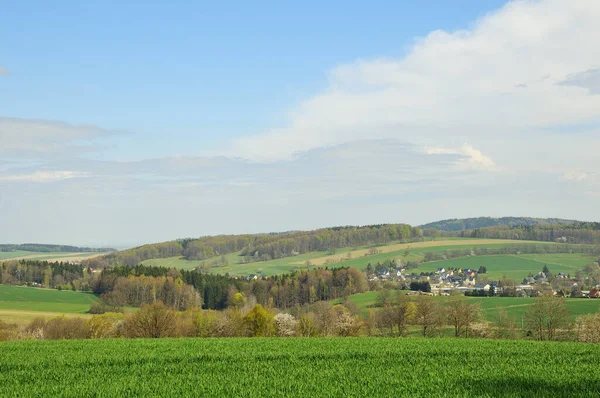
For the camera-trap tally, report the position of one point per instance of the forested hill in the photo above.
(263, 247)
(42, 248)
(464, 224)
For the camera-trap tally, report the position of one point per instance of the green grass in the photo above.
(516, 267)
(17, 254)
(16, 298)
(516, 307)
(351, 367)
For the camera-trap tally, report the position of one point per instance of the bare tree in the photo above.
(428, 316)
(152, 321)
(462, 314)
(547, 316)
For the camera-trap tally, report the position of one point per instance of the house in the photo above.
(470, 282)
(253, 277)
(529, 280)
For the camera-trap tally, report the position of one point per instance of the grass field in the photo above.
(341, 367)
(516, 307)
(16, 254)
(20, 304)
(513, 266)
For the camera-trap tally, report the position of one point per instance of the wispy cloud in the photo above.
(44, 176)
(43, 136)
(589, 79)
(471, 158)
(3, 71)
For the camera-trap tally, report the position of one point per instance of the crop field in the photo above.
(20, 304)
(342, 367)
(516, 307)
(55, 257)
(516, 267)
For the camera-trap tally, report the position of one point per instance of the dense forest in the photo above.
(580, 233)
(264, 247)
(216, 292)
(138, 285)
(464, 224)
(42, 248)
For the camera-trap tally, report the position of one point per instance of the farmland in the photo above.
(516, 307)
(354, 367)
(21, 304)
(357, 257)
(43, 256)
(513, 266)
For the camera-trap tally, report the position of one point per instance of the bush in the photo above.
(8, 331)
(62, 328)
(105, 326)
(588, 328)
(285, 325)
(152, 321)
(102, 308)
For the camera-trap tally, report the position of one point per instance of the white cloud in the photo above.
(500, 80)
(44, 176)
(575, 176)
(471, 158)
(3, 71)
(42, 136)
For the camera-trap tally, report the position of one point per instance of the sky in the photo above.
(122, 124)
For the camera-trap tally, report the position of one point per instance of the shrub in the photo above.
(61, 328)
(152, 321)
(285, 325)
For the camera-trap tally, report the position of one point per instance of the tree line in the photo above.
(580, 233)
(264, 247)
(42, 248)
(547, 319)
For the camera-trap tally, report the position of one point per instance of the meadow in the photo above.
(350, 367)
(516, 267)
(22, 304)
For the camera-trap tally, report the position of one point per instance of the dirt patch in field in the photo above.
(65, 258)
(25, 317)
(335, 258)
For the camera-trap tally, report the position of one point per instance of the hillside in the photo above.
(463, 224)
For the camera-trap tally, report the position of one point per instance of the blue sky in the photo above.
(127, 123)
(205, 71)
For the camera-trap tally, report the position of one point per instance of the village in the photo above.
(474, 282)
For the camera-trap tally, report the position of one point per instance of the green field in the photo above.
(16, 298)
(516, 267)
(516, 307)
(342, 367)
(17, 254)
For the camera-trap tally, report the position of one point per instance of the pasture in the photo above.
(349, 367)
(21, 304)
(516, 267)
